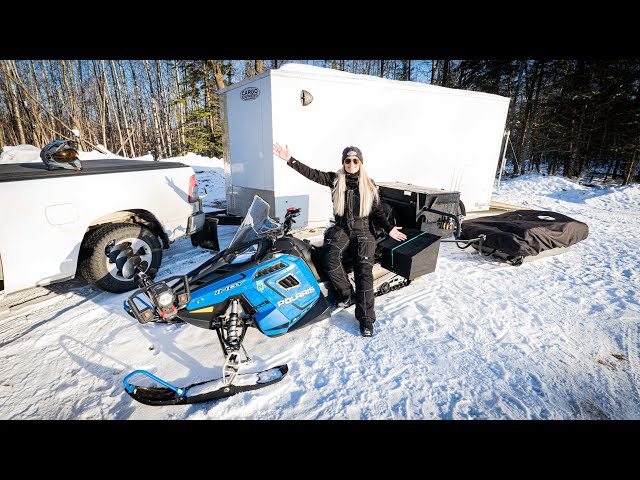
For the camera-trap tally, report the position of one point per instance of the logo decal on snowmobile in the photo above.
(250, 93)
(260, 285)
(295, 297)
(229, 287)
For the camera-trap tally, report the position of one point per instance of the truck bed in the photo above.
(15, 172)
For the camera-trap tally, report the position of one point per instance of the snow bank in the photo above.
(210, 175)
(20, 154)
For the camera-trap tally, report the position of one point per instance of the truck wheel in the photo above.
(110, 254)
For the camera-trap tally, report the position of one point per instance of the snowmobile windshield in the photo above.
(256, 224)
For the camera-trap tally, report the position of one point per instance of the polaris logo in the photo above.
(295, 297)
(250, 93)
(229, 287)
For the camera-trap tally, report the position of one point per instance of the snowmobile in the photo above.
(266, 279)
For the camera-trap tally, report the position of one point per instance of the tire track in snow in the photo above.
(14, 327)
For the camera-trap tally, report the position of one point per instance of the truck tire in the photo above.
(108, 255)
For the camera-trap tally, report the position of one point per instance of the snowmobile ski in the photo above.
(206, 391)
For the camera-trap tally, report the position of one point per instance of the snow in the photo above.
(20, 154)
(557, 338)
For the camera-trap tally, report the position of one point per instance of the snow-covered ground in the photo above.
(557, 338)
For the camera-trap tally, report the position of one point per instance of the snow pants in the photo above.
(362, 246)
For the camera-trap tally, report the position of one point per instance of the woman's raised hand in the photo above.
(282, 152)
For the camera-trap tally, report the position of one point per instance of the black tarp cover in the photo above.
(525, 232)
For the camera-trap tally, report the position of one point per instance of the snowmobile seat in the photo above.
(301, 249)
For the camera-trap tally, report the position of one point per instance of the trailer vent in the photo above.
(305, 98)
(270, 269)
(288, 282)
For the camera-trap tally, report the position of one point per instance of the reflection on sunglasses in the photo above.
(347, 161)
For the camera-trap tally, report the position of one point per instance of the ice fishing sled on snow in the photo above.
(523, 236)
(266, 279)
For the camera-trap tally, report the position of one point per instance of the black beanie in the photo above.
(352, 152)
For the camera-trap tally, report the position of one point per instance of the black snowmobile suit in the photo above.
(354, 232)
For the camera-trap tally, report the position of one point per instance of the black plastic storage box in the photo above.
(407, 200)
(414, 257)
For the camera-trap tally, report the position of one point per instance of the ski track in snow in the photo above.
(557, 338)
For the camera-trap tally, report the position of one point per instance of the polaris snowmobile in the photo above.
(266, 279)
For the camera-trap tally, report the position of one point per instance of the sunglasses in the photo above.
(347, 161)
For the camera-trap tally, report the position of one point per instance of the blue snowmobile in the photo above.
(267, 279)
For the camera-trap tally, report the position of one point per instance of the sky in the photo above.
(557, 338)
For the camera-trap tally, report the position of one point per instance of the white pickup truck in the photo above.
(100, 222)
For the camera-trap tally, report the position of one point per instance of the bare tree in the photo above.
(13, 92)
(141, 111)
(156, 120)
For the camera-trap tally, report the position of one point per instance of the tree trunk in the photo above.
(217, 73)
(181, 108)
(102, 106)
(615, 173)
(70, 84)
(259, 66)
(445, 73)
(248, 68)
(514, 101)
(534, 115)
(17, 117)
(141, 112)
(606, 175)
(120, 105)
(154, 107)
(50, 100)
(85, 121)
(127, 112)
(632, 164)
(39, 128)
(207, 98)
(113, 110)
(164, 111)
(527, 114)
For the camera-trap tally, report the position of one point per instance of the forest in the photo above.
(576, 118)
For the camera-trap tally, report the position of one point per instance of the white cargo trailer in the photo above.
(409, 132)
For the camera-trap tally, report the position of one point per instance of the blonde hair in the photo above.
(367, 188)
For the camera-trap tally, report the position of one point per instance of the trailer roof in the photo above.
(300, 70)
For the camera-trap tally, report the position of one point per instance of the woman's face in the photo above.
(351, 164)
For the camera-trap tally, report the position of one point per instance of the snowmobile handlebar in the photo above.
(288, 219)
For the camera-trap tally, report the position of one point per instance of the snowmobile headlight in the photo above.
(165, 299)
(161, 294)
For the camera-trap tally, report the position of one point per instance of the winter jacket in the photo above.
(352, 197)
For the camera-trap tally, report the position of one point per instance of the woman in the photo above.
(356, 207)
